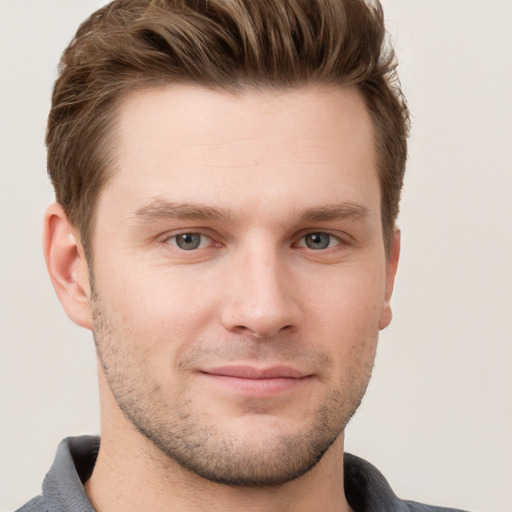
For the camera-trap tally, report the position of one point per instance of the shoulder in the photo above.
(63, 485)
(367, 490)
(413, 506)
(37, 504)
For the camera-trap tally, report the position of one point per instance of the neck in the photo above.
(132, 474)
(130, 477)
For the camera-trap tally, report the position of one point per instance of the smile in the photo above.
(256, 381)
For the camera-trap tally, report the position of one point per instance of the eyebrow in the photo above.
(163, 210)
(342, 211)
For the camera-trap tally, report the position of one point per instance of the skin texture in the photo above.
(230, 368)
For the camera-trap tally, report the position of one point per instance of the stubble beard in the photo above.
(204, 448)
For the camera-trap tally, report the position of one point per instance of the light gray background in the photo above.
(437, 419)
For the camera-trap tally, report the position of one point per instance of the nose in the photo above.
(261, 296)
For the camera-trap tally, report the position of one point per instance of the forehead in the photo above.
(190, 143)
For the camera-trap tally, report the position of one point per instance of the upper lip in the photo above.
(251, 372)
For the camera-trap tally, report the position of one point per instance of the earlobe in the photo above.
(67, 265)
(391, 267)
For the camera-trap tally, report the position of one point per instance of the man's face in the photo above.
(240, 277)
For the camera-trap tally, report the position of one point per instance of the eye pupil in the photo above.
(318, 240)
(188, 241)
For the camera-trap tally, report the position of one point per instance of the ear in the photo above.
(67, 265)
(391, 266)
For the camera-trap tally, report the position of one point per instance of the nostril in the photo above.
(267, 311)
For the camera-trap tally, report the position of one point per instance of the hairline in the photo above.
(111, 142)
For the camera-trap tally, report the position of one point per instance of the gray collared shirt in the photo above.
(365, 487)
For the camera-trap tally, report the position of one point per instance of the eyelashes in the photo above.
(190, 241)
(320, 240)
(194, 240)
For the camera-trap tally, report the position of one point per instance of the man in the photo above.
(227, 178)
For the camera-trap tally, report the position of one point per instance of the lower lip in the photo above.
(257, 387)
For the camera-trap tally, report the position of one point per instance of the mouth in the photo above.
(253, 381)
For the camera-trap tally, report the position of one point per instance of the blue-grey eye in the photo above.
(317, 241)
(188, 241)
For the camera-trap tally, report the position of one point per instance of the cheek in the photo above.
(156, 304)
(344, 316)
(349, 300)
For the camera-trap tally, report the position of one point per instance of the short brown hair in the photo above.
(226, 44)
